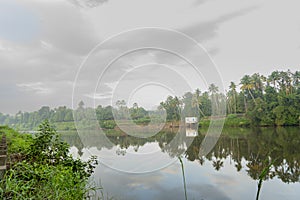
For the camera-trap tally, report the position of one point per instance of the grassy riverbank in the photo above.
(230, 121)
(234, 120)
(39, 167)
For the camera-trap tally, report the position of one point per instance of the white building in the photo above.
(191, 120)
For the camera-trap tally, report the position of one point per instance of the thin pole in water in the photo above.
(183, 176)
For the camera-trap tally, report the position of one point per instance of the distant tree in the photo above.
(81, 105)
(172, 105)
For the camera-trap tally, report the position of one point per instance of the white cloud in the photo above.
(46, 45)
(87, 3)
(4, 46)
(98, 95)
(36, 87)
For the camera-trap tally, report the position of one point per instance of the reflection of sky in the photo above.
(150, 159)
(203, 182)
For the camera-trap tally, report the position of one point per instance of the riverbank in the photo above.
(111, 129)
(241, 120)
(231, 120)
(40, 168)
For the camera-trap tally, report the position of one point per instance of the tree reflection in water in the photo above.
(247, 149)
(255, 146)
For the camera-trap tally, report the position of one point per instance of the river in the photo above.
(148, 168)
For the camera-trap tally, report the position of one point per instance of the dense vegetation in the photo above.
(41, 168)
(256, 101)
(263, 101)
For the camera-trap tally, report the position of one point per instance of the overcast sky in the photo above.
(44, 42)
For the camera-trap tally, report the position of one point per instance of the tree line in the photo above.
(272, 100)
(104, 114)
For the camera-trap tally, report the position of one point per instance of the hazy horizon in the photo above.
(43, 43)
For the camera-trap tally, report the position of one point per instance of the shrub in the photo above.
(47, 170)
(109, 124)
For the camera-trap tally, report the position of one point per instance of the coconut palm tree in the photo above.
(213, 90)
(274, 78)
(284, 82)
(296, 81)
(231, 96)
(196, 101)
(246, 86)
(258, 83)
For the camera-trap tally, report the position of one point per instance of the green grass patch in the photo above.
(230, 121)
(16, 142)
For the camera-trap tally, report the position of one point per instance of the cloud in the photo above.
(203, 31)
(3, 48)
(149, 37)
(199, 2)
(58, 34)
(87, 3)
(46, 45)
(158, 185)
(67, 29)
(36, 87)
(99, 95)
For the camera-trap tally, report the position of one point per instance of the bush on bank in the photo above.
(41, 167)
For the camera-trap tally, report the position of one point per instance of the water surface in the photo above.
(229, 171)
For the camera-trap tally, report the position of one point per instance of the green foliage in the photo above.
(104, 113)
(232, 120)
(109, 124)
(16, 142)
(232, 116)
(29, 121)
(172, 107)
(235, 121)
(137, 113)
(64, 126)
(47, 148)
(40, 181)
(47, 171)
(273, 100)
(204, 122)
(143, 121)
